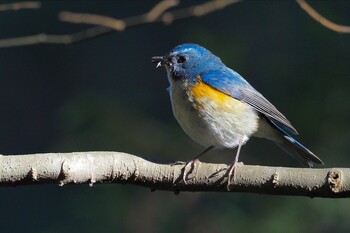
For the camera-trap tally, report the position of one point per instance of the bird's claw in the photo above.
(185, 172)
(232, 174)
(178, 163)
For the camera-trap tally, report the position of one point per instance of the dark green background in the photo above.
(104, 94)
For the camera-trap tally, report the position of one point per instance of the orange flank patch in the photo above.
(204, 94)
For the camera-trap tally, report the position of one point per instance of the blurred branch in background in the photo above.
(117, 167)
(322, 20)
(20, 6)
(118, 24)
(158, 13)
(108, 24)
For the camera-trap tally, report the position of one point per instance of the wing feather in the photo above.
(232, 84)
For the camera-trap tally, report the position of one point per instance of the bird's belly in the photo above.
(213, 119)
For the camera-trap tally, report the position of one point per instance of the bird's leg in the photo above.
(232, 171)
(191, 163)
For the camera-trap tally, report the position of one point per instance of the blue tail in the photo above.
(296, 149)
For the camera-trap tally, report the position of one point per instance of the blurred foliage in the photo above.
(104, 94)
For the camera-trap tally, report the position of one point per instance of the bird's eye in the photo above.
(181, 59)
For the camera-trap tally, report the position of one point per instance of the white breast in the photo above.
(210, 124)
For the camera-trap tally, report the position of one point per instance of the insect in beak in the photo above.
(159, 60)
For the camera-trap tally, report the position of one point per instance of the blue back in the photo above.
(201, 63)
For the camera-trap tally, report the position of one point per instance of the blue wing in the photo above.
(232, 84)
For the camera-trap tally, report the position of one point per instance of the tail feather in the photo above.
(298, 151)
(295, 148)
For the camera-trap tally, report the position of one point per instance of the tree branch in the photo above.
(106, 25)
(20, 6)
(322, 20)
(118, 24)
(117, 167)
(158, 13)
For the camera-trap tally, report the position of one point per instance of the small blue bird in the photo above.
(218, 108)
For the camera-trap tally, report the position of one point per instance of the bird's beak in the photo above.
(160, 60)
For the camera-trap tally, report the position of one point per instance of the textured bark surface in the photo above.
(117, 167)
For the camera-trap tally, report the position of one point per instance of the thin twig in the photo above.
(160, 8)
(20, 6)
(55, 39)
(197, 10)
(322, 20)
(101, 20)
(156, 14)
(108, 24)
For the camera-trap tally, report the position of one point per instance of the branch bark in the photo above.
(117, 167)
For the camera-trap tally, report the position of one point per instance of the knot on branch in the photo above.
(33, 174)
(275, 180)
(335, 180)
(64, 173)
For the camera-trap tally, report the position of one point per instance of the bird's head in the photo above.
(187, 61)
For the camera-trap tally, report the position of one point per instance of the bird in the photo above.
(218, 108)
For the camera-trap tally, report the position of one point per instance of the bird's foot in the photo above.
(190, 164)
(232, 174)
(178, 163)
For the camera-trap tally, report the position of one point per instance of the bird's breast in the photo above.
(211, 117)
